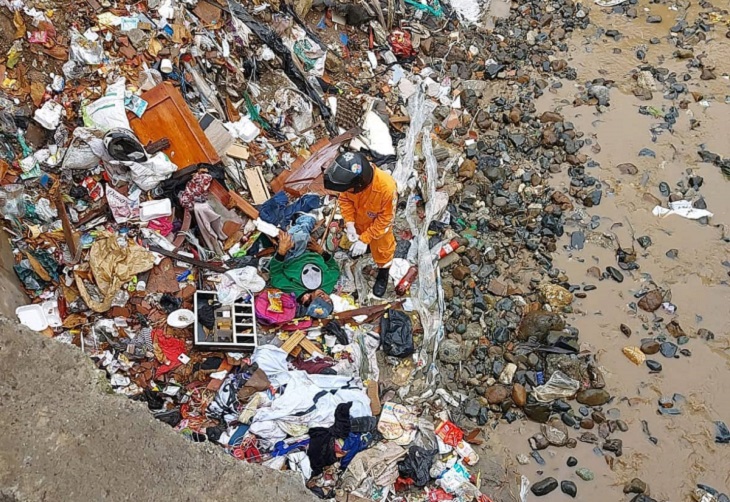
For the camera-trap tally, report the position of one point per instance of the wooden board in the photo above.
(256, 185)
(168, 116)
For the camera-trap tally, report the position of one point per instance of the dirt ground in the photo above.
(65, 436)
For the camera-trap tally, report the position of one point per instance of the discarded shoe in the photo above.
(381, 282)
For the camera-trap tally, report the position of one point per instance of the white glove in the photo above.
(358, 248)
(352, 235)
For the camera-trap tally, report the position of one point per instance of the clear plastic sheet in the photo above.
(427, 293)
(560, 386)
(419, 109)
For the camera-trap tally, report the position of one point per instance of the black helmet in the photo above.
(349, 170)
(123, 145)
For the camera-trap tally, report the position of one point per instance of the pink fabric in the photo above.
(162, 225)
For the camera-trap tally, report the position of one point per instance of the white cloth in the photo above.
(683, 208)
(237, 282)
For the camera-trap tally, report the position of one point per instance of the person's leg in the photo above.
(300, 232)
(383, 251)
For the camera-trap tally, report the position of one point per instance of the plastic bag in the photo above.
(149, 174)
(108, 111)
(237, 282)
(83, 50)
(396, 334)
(560, 386)
(83, 151)
(149, 78)
(417, 465)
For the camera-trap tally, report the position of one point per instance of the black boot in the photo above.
(381, 282)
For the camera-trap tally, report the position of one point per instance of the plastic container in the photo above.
(12, 198)
(405, 283)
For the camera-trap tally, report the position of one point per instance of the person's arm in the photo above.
(347, 207)
(383, 222)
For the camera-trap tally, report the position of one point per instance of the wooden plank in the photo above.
(185, 259)
(242, 204)
(256, 185)
(292, 341)
(168, 116)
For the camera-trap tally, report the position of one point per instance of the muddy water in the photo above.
(700, 285)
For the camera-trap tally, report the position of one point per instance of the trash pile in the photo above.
(318, 235)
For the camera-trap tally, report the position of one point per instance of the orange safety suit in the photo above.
(373, 212)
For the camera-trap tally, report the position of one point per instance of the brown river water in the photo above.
(700, 285)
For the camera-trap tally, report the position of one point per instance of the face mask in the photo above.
(311, 277)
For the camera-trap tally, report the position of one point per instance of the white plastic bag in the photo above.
(237, 282)
(147, 175)
(108, 111)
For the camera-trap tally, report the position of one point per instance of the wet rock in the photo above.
(472, 407)
(467, 169)
(496, 394)
(568, 419)
(537, 412)
(556, 433)
(538, 442)
(644, 241)
(519, 395)
(585, 474)
(572, 462)
(544, 486)
(643, 498)
(594, 272)
(598, 417)
(538, 324)
(450, 352)
(651, 301)
(556, 296)
(615, 446)
(615, 274)
(460, 273)
(587, 423)
(593, 397)
(588, 437)
(705, 334)
(483, 416)
(654, 19)
(627, 168)
(672, 253)
(625, 330)
(668, 349)
(568, 488)
(707, 74)
(622, 426)
(650, 347)
(548, 117)
(635, 486)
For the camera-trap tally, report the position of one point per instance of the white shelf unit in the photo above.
(242, 316)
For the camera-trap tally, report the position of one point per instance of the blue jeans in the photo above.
(300, 235)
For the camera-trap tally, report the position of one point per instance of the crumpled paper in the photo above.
(113, 261)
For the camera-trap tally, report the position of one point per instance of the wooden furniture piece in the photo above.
(168, 116)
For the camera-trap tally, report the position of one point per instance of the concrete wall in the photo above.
(64, 436)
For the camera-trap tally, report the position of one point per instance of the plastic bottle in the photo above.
(405, 283)
(447, 249)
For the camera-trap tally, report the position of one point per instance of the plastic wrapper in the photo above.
(86, 149)
(398, 423)
(83, 50)
(149, 174)
(560, 386)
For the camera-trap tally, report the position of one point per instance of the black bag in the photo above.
(417, 465)
(396, 334)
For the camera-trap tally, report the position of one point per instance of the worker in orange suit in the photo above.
(368, 197)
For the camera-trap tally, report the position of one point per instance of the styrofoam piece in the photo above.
(32, 316)
(153, 209)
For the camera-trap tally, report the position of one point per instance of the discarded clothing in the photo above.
(321, 451)
(278, 211)
(307, 272)
(196, 190)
